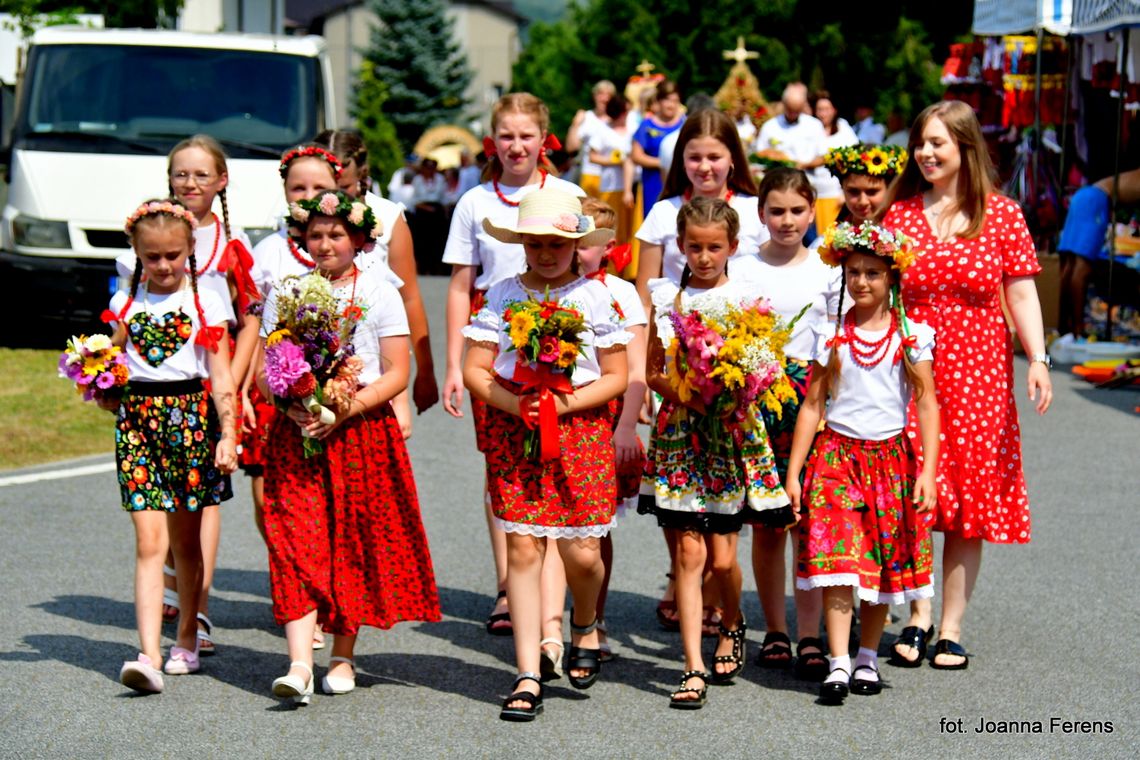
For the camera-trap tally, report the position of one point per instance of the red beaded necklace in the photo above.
(867, 354)
(350, 311)
(293, 249)
(217, 239)
(504, 199)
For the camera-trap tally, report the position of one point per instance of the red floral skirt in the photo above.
(343, 528)
(571, 496)
(861, 527)
(252, 459)
(628, 474)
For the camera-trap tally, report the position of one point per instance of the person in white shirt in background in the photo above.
(837, 133)
(469, 173)
(585, 124)
(797, 135)
(400, 188)
(865, 127)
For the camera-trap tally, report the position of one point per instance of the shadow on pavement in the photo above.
(253, 582)
(102, 657)
(1123, 399)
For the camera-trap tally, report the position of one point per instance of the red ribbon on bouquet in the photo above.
(546, 382)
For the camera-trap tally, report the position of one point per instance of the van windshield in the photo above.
(143, 99)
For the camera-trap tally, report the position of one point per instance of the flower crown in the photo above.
(309, 150)
(356, 215)
(886, 161)
(154, 208)
(845, 238)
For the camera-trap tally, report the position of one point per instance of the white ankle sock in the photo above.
(869, 658)
(840, 669)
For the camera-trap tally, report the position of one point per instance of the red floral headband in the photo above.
(309, 150)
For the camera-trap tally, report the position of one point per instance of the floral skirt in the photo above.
(691, 484)
(628, 473)
(343, 528)
(861, 528)
(252, 459)
(781, 429)
(572, 496)
(165, 434)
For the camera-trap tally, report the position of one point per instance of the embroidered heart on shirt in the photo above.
(157, 338)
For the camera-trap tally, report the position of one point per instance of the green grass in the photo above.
(42, 418)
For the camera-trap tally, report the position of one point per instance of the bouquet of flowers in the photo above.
(309, 356)
(545, 335)
(96, 366)
(731, 356)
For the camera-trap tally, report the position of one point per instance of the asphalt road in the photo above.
(1051, 632)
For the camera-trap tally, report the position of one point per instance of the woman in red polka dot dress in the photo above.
(977, 247)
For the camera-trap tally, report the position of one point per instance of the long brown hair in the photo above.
(829, 380)
(214, 148)
(348, 146)
(716, 124)
(977, 177)
(528, 105)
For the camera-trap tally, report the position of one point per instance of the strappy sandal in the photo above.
(206, 646)
(946, 646)
(911, 636)
(667, 616)
(811, 666)
(702, 693)
(549, 667)
(775, 651)
(534, 701)
(736, 659)
(582, 658)
(834, 692)
(710, 621)
(865, 685)
(499, 623)
(169, 598)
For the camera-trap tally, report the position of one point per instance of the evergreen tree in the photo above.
(413, 52)
(377, 130)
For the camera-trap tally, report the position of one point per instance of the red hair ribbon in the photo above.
(838, 340)
(208, 337)
(552, 142)
(620, 256)
(909, 342)
(546, 383)
(237, 260)
(489, 147)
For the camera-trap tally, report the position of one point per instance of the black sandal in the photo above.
(864, 685)
(582, 658)
(834, 692)
(496, 620)
(534, 701)
(702, 693)
(780, 654)
(811, 666)
(911, 636)
(946, 646)
(736, 658)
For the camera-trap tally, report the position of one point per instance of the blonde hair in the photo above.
(214, 148)
(977, 177)
(528, 105)
(603, 213)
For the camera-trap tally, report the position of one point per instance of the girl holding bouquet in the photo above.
(862, 503)
(707, 467)
(516, 166)
(342, 520)
(174, 448)
(546, 353)
(791, 277)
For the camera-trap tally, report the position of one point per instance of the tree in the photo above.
(384, 154)
(147, 14)
(413, 52)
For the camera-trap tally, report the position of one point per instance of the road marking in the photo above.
(70, 472)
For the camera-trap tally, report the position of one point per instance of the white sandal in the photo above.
(291, 686)
(550, 668)
(339, 684)
(169, 597)
(206, 646)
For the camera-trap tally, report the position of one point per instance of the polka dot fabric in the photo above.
(955, 287)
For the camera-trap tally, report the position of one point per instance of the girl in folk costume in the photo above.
(546, 353)
(862, 503)
(346, 545)
(394, 250)
(792, 277)
(863, 171)
(174, 448)
(197, 175)
(699, 485)
(710, 164)
(516, 166)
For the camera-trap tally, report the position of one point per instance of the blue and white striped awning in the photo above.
(993, 18)
(1101, 15)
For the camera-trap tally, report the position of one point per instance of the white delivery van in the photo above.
(97, 112)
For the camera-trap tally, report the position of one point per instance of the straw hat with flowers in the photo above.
(550, 212)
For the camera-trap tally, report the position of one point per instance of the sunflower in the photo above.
(277, 336)
(521, 325)
(877, 160)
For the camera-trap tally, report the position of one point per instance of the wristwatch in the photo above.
(1043, 358)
